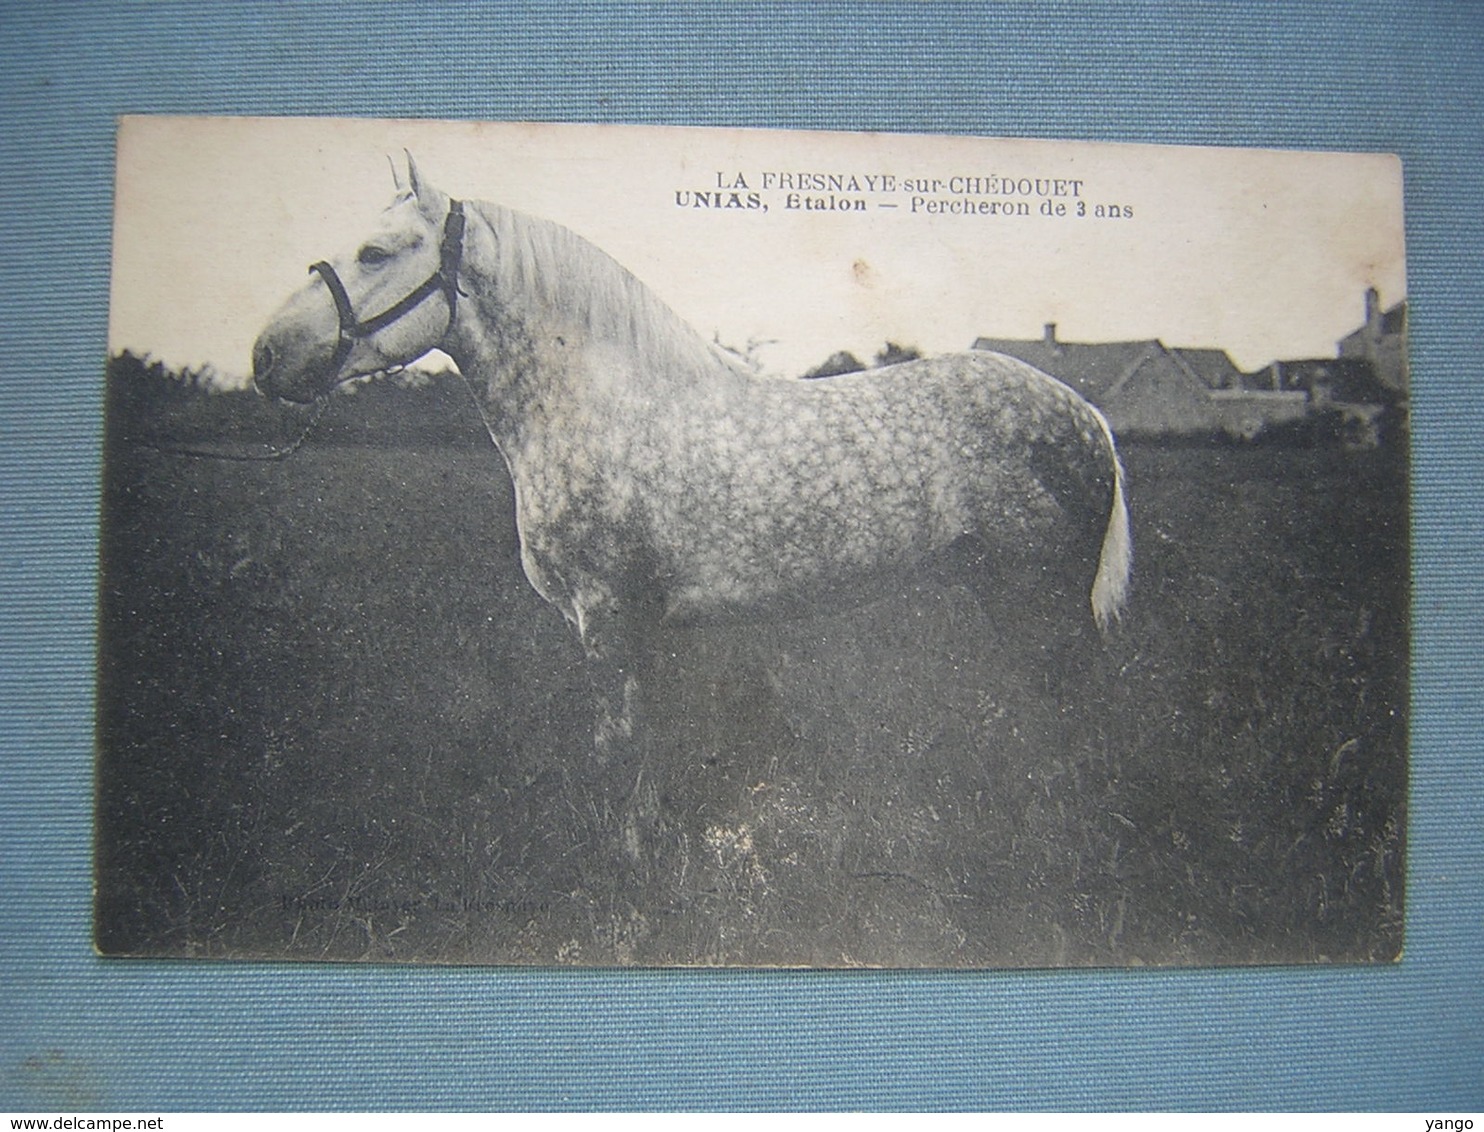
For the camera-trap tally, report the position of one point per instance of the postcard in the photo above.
(614, 546)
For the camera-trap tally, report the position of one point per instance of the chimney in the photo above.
(1048, 334)
(1373, 310)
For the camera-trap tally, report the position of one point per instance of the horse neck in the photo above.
(551, 317)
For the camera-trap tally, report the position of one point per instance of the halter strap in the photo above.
(445, 279)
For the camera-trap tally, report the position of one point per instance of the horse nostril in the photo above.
(262, 360)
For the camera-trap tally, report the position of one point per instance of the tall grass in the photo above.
(335, 722)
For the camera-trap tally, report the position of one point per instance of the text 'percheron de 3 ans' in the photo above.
(658, 483)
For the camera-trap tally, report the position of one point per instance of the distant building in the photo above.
(1382, 340)
(1146, 388)
(1328, 381)
(1215, 368)
(1347, 390)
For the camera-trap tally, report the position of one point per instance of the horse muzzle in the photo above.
(286, 374)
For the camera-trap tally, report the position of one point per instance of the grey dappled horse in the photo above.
(657, 482)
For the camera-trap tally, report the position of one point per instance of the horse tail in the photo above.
(1110, 585)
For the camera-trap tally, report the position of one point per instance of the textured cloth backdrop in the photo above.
(77, 1032)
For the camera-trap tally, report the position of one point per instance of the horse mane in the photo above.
(561, 270)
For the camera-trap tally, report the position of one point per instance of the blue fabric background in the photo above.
(76, 1032)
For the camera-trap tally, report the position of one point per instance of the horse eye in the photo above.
(371, 255)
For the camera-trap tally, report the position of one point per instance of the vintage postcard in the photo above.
(589, 545)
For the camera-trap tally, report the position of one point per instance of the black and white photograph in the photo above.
(635, 546)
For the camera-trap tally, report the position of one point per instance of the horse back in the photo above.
(1021, 443)
(795, 492)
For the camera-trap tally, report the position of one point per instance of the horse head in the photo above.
(374, 309)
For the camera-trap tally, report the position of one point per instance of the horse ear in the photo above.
(396, 177)
(428, 197)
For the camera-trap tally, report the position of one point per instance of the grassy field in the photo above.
(336, 723)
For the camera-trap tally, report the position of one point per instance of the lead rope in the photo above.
(483, 416)
(279, 452)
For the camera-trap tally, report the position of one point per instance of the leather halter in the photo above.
(445, 279)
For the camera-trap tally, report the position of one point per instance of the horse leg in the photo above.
(1039, 609)
(622, 662)
(617, 703)
(621, 654)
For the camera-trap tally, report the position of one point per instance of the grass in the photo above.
(336, 723)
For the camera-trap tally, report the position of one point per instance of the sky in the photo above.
(753, 236)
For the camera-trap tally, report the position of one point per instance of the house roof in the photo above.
(1394, 321)
(1391, 323)
(1093, 369)
(1099, 369)
(1213, 367)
